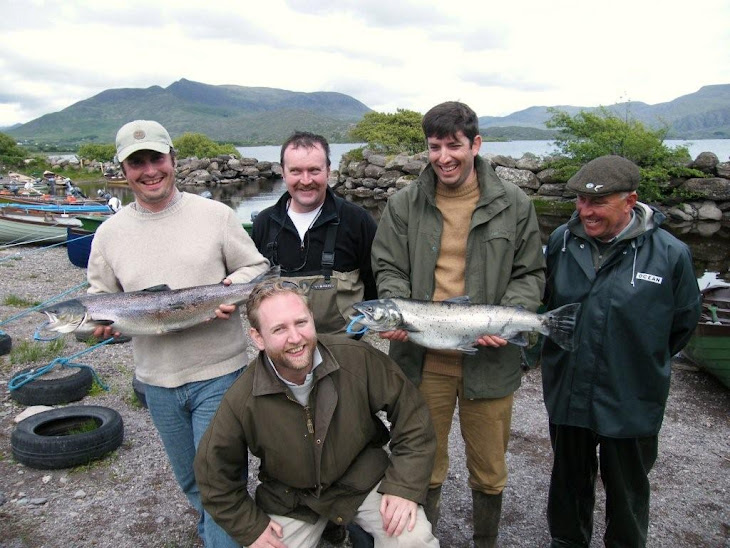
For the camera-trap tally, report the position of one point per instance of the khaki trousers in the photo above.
(485, 428)
(300, 534)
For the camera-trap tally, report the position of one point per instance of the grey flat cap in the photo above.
(605, 175)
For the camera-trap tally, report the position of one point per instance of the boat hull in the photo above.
(17, 228)
(709, 347)
(78, 246)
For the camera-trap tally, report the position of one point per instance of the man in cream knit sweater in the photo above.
(181, 240)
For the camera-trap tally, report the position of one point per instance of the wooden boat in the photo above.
(20, 226)
(7, 197)
(709, 347)
(58, 208)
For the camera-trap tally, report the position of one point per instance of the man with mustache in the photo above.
(320, 240)
(307, 408)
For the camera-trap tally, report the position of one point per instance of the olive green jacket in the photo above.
(504, 266)
(319, 460)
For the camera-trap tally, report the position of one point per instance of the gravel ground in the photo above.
(130, 499)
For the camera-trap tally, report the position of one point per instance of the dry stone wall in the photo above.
(377, 177)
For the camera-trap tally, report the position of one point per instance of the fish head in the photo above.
(379, 314)
(66, 316)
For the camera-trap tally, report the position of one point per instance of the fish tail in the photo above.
(561, 325)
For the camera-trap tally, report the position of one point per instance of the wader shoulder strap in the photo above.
(328, 252)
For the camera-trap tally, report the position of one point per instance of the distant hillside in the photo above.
(237, 114)
(704, 114)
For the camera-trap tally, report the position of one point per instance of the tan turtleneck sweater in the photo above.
(456, 206)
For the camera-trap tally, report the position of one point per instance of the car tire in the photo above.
(46, 390)
(48, 440)
(139, 391)
(6, 343)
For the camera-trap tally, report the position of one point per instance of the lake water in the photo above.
(515, 149)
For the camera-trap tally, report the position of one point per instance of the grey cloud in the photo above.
(501, 80)
(382, 13)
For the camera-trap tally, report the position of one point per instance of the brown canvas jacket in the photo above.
(320, 460)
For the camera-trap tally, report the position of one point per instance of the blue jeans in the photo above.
(181, 416)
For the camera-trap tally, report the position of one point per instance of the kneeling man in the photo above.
(307, 408)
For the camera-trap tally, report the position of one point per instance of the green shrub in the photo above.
(391, 133)
(588, 135)
(11, 155)
(199, 145)
(98, 152)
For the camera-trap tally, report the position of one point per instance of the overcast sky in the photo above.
(499, 57)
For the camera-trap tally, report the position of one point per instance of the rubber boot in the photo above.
(432, 508)
(486, 512)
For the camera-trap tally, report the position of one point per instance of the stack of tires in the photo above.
(67, 436)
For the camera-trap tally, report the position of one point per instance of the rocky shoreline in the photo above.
(130, 498)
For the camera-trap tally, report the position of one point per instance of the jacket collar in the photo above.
(266, 382)
(491, 188)
(329, 209)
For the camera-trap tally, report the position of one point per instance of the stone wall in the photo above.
(222, 169)
(377, 177)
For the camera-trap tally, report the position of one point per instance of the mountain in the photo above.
(235, 114)
(704, 114)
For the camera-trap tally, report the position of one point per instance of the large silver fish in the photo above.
(154, 311)
(456, 324)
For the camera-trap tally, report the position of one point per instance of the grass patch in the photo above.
(20, 302)
(86, 426)
(26, 352)
(96, 389)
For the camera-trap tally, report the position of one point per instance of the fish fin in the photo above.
(155, 288)
(461, 299)
(561, 324)
(520, 339)
(101, 322)
(272, 272)
(471, 350)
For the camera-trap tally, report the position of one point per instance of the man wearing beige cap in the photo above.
(640, 304)
(181, 240)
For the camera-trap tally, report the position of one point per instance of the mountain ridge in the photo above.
(263, 115)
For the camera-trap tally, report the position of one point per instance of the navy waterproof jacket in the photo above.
(638, 310)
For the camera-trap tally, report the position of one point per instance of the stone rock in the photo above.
(550, 189)
(374, 171)
(200, 176)
(377, 159)
(708, 229)
(30, 411)
(713, 188)
(678, 213)
(213, 166)
(235, 164)
(397, 162)
(414, 166)
(520, 177)
(250, 171)
(404, 181)
(276, 169)
(263, 166)
(529, 162)
(708, 211)
(723, 169)
(388, 178)
(503, 161)
(368, 182)
(706, 161)
(547, 176)
(248, 161)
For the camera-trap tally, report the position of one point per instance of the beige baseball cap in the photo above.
(142, 135)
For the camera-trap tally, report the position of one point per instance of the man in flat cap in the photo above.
(640, 303)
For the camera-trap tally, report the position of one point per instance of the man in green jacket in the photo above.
(307, 407)
(640, 304)
(459, 230)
